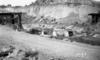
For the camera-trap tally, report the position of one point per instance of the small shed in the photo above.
(95, 18)
(12, 18)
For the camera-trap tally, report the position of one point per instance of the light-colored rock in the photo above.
(96, 35)
(89, 2)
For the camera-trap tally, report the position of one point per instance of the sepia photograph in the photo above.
(49, 29)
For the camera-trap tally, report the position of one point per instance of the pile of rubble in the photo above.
(49, 27)
(72, 32)
(12, 53)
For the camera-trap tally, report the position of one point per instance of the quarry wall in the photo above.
(62, 11)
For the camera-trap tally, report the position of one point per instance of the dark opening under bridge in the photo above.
(13, 18)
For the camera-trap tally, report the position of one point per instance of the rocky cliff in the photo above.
(87, 2)
(62, 11)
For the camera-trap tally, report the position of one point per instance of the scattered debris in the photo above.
(15, 53)
(6, 51)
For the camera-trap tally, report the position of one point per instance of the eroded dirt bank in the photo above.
(48, 46)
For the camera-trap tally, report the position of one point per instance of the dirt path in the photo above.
(50, 46)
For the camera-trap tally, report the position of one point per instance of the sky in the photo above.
(97, 0)
(21, 2)
(16, 2)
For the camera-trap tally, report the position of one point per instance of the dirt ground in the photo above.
(49, 47)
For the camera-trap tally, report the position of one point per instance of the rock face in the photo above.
(62, 11)
(64, 1)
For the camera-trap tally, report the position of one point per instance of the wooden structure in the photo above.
(95, 17)
(12, 19)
